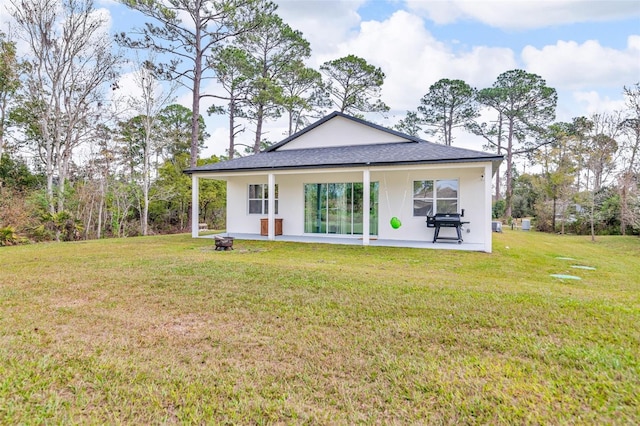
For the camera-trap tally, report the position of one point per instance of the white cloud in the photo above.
(593, 102)
(571, 65)
(413, 59)
(324, 23)
(524, 14)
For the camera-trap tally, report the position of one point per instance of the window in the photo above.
(259, 198)
(435, 196)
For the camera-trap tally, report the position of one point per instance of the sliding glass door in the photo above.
(337, 208)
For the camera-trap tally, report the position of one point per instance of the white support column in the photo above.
(195, 201)
(488, 233)
(366, 206)
(272, 206)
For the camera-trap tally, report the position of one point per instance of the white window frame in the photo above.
(264, 199)
(434, 195)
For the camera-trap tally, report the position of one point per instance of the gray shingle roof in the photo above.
(350, 156)
(414, 151)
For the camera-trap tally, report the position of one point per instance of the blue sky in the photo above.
(587, 50)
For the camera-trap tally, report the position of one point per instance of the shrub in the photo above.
(8, 236)
(499, 208)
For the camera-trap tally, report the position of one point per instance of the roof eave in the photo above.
(494, 160)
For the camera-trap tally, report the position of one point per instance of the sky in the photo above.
(587, 50)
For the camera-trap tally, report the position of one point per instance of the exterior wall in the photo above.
(395, 199)
(290, 200)
(340, 131)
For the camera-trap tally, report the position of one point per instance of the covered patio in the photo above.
(343, 180)
(356, 241)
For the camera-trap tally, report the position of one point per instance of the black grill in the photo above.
(446, 220)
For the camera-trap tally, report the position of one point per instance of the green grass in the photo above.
(167, 330)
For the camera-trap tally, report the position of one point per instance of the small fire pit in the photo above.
(224, 243)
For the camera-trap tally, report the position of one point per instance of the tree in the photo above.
(629, 192)
(174, 132)
(599, 157)
(301, 92)
(233, 72)
(131, 145)
(154, 98)
(15, 174)
(411, 124)
(98, 173)
(524, 105)
(600, 148)
(558, 160)
(172, 192)
(70, 63)
(188, 31)
(630, 127)
(627, 181)
(525, 195)
(448, 104)
(10, 71)
(354, 85)
(272, 48)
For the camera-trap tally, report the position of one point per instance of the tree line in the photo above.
(584, 173)
(105, 163)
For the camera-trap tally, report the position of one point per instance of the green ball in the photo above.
(395, 223)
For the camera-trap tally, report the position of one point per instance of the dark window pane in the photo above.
(422, 208)
(255, 191)
(266, 207)
(255, 206)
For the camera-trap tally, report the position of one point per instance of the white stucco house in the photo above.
(317, 184)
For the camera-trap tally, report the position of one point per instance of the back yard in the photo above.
(167, 330)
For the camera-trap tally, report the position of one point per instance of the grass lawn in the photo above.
(167, 330)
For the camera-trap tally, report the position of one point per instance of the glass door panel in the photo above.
(336, 208)
(315, 208)
(339, 208)
(373, 215)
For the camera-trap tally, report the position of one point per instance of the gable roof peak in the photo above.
(335, 114)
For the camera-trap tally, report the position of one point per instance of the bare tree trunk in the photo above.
(290, 123)
(100, 206)
(144, 220)
(509, 173)
(232, 130)
(499, 151)
(623, 207)
(195, 101)
(593, 208)
(259, 119)
(87, 224)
